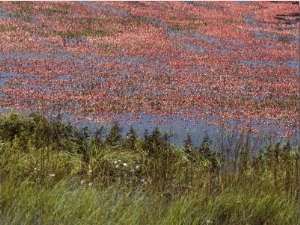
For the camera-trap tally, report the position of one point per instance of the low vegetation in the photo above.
(54, 173)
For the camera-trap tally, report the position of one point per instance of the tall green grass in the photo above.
(53, 173)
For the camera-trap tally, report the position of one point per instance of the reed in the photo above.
(54, 173)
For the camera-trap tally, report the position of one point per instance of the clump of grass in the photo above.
(54, 173)
(53, 11)
(6, 28)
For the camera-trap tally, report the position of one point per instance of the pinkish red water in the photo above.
(188, 64)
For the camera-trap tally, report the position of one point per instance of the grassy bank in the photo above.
(53, 173)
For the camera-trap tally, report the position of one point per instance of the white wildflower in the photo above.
(119, 161)
(137, 167)
(82, 182)
(125, 164)
(52, 175)
(90, 184)
(90, 169)
(208, 222)
(115, 162)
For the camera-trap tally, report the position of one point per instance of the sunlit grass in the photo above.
(66, 203)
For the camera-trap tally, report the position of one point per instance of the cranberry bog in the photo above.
(197, 67)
